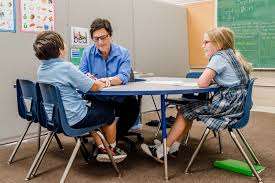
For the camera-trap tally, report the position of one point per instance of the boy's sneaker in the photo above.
(153, 152)
(118, 155)
(100, 155)
(157, 142)
(172, 153)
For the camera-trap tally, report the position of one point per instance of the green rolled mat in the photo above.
(237, 166)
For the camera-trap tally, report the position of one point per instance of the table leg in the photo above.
(164, 135)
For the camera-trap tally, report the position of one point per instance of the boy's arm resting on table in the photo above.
(98, 85)
(206, 78)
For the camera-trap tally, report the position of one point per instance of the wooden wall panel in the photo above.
(201, 17)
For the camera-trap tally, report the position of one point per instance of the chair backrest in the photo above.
(132, 76)
(199, 96)
(49, 96)
(246, 108)
(193, 74)
(26, 100)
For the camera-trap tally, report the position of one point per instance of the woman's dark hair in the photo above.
(48, 45)
(100, 23)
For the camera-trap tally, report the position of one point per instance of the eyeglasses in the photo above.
(206, 42)
(102, 38)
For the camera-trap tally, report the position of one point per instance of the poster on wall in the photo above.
(76, 54)
(79, 37)
(7, 16)
(37, 15)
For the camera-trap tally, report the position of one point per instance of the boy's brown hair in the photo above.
(48, 45)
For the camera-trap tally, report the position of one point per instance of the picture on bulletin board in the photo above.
(76, 54)
(7, 16)
(79, 37)
(37, 15)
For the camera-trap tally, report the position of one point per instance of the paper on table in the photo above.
(175, 83)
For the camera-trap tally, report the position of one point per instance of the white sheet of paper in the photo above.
(175, 83)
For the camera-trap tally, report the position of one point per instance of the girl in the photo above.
(228, 69)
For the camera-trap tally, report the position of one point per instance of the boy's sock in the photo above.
(113, 145)
(159, 150)
(174, 147)
(101, 146)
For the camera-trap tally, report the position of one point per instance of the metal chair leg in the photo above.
(38, 137)
(159, 125)
(186, 138)
(83, 150)
(58, 142)
(140, 104)
(38, 155)
(106, 145)
(42, 155)
(72, 158)
(249, 148)
(214, 133)
(203, 138)
(83, 146)
(220, 142)
(19, 142)
(234, 138)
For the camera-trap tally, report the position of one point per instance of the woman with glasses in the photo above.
(111, 64)
(228, 69)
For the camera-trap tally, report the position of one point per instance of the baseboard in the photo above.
(268, 109)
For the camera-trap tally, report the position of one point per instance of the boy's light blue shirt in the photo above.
(67, 78)
(117, 64)
(225, 75)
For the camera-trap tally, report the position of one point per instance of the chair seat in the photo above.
(29, 117)
(187, 98)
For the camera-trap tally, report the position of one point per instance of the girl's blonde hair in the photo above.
(223, 38)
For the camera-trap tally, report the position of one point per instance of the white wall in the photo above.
(182, 2)
(160, 40)
(18, 61)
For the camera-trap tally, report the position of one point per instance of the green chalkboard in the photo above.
(253, 22)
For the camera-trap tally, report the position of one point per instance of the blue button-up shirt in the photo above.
(117, 64)
(67, 78)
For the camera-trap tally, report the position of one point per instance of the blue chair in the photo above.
(49, 95)
(242, 122)
(26, 104)
(27, 109)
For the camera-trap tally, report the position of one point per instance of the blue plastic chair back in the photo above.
(246, 108)
(200, 96)
(26, 96)
(193, 74)
(49, 95)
